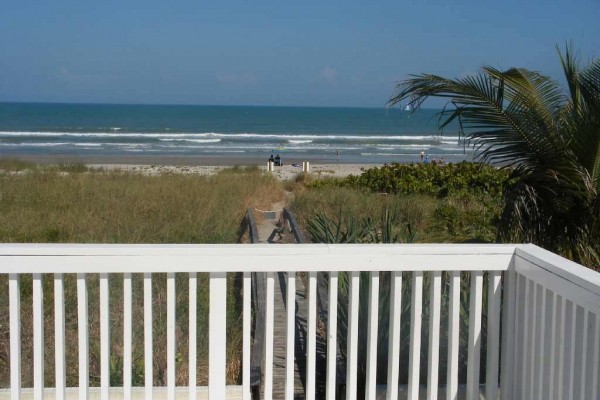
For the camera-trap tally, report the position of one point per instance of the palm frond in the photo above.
(522, 119)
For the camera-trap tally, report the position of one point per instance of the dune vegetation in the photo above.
(72, 203)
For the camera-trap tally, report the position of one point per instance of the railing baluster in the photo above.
(148, 359)
(82, 328)
(104, 337)
(127, 335)
(247, 322)
(537, 341)
(533, 321)
(560, 350)
(352, 350)
(567, 342)
(596, 359)
(15, 336)
(290, 335)
(38, 337)
(544, 327)
(474, 344)
(394, 335)
(217, 339)
(60, 376)
(583, 350)
(332, 336)
(493, 334)
(269, 318)
(577, 353)
(192, 345)
(518, 348)
(453, 336)
(525, 338)
(414, 358)
(435, 305)
(553, 314)
(311, 359)
(171, 336)
(371, 384)
(571, 338)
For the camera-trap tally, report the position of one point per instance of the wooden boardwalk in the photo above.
(280, 335)
(269, 231)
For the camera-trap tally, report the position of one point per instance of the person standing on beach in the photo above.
(422, 155)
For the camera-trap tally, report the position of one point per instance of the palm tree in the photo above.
(548, 137)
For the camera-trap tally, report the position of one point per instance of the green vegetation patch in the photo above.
(77, 205)
(430, 179)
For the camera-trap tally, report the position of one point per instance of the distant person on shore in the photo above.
(278, 161)
(271, 159)
(426, 160)
(422, 155)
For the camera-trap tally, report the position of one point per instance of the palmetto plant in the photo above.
(342, 228)
(550, 139)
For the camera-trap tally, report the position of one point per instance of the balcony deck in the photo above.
(533, 327)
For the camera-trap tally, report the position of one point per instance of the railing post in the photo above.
(247, 298)
(148, 359)
(59, 337)
(104, 337)
(474, 343)
(83, 332)
(352, 352)
(291, 334)
(332, 336)
(15, 336)
(493, 334)
(38, 337)
(394, 335)
(192, 348)
(453, 336)
(217, 336)
(171, 346)
(127, 335)
(414, 357)
(269, 318)
(508, 333)
(373, 324)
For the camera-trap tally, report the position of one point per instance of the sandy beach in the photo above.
(205, 166)
(284, 172)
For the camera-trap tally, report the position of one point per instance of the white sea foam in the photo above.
(231, 136)
(34, 144)
(299, 141)
(192, 140)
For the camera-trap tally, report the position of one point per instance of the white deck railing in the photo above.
(544, 309)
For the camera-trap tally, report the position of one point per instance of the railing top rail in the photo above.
(73, 258)
(572, 272)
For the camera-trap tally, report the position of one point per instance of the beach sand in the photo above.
(205, 166)
(284, 172)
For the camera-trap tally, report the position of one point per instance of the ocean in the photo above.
(327, 135)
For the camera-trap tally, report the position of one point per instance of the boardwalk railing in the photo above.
(542, 315)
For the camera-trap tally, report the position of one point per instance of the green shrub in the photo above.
(431, 179)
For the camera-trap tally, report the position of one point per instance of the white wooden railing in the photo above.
(543, 315)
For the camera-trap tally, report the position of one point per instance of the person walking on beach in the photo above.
(422, 155)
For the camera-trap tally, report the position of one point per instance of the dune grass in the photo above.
(431, 220)
(71, 203)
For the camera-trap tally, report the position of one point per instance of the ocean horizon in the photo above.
(322, 134)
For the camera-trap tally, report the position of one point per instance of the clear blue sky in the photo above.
(321, 53)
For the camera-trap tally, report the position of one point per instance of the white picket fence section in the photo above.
(543, 315)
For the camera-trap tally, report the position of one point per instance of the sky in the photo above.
(304, 53)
